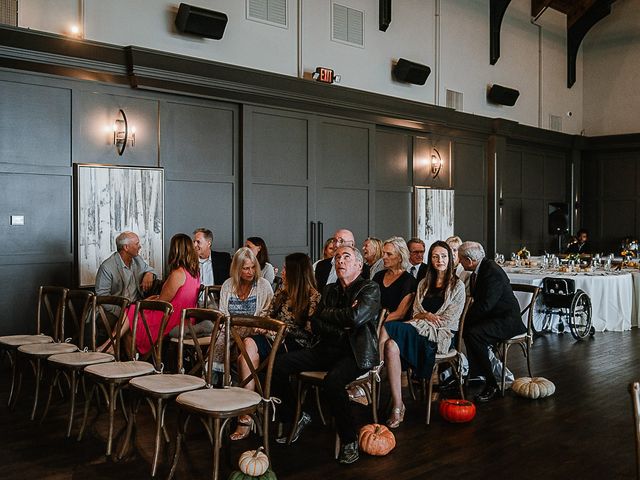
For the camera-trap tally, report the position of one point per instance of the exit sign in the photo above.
(324, 75)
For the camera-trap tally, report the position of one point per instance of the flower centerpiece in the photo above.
(523, 253)
(575, 257)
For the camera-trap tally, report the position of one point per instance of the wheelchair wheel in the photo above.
(580, 315)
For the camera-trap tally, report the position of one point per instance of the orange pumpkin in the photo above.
(376, 439)
(457, 411)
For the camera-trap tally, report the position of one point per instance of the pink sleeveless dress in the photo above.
(186, 297)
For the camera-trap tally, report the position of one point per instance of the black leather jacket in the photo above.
(351, 311)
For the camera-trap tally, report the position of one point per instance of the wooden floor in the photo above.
(584, 431)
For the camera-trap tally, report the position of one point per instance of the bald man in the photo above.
(326, 270)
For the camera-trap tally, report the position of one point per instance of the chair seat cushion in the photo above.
(120, 369)
(219, 399)
(17, 340)
(80, 359)
(189, 341)
(517, 338)
(318, 376)
(47, 349)
(167, 383)
(450, 354)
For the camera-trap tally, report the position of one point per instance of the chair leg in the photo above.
(336, 447)
(265, 429)
(216, 448)
(374, 399)
(316, 389)
(87, 404)
(38, 372)
(300, 398)
(72, 410)
(131, 426)
(505, 350)
(430, 394)
(160, 408)
(410, 384)
(13, 363)
(176, 456)
(52, 385)
(527, 354)
(112, 412)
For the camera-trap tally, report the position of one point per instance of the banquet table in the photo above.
(614, 294)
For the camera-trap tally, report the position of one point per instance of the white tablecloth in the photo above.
(611, 293)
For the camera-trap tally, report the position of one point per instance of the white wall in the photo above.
(612, 72)
(462, 45)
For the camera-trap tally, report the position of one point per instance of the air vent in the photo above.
(555, 123)
(9, 12)
(454, 99)
(272, 12)
(347, 25)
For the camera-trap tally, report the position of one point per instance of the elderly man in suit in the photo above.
(124, 273)
(214, 266)
(494, 315)
(418, 268)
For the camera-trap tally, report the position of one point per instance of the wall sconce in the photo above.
(436, 162)
(123, 133)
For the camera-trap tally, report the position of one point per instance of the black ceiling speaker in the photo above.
(384, 10)
(411, 72)
(200, 21)
(503, 95)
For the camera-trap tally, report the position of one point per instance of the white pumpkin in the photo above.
(253, 462)
(536, 387)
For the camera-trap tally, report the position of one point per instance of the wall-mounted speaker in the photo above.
(384, 13)
(411, 72)
(558, 218)
(503, 95)
(200, 21)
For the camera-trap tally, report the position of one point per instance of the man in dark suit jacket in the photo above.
(325, 271)
(494, 315)
(214, 266)
(416, 258)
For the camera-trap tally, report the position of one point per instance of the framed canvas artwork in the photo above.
(109, 201)
(434, 214)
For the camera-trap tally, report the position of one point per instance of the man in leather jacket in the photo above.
(345, 323)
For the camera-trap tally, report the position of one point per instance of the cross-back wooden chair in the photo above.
(71, 365)
(158, 390)
(49, 311)
(112, 377)
(524, 340)
(211, 295)
(35, 354)
(216, 406)
(634, 390)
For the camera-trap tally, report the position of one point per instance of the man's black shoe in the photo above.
(305, 420)
(487, 394)
(349, 453)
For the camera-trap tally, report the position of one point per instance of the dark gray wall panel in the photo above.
(618, 176)
(510, 226)
(345, 208)
(511, 174)
(618, 221)
(392, 164)
(45, 202)
(190, 205)
(93, 132)
(343, 154)
(534, 221)
(279, 147)
(19, 286)
(197, 140)
(279, 215)
(469, 170)
(469, 223)
(35, 125)
(393, 214)
(533, 175)
(555, 177)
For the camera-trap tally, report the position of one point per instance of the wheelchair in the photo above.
(560, 297)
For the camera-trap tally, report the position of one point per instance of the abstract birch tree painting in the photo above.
(434, 214)
(111, 200)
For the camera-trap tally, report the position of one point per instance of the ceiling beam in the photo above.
(497, 9)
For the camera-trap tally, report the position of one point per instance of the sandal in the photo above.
(396, 418)
(243, 429)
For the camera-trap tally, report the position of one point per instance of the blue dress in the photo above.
(416, 351)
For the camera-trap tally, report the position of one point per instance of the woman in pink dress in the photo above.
(180, 289)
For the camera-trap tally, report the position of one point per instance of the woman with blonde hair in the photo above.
(294, 303)
(397, 286)
(372, 254)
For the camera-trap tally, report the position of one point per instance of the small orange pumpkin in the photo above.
(457, 411)
(376, 439)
